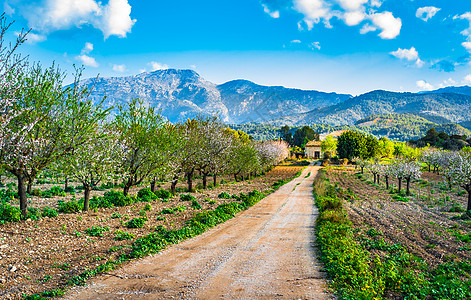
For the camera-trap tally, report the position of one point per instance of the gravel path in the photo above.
(266, 252)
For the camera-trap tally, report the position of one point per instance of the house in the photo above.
(313, 150)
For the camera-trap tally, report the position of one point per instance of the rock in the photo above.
(13, 269)
(3, 246)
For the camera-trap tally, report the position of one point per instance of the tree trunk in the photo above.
(408, 186)
(387, 182)
(126, 189)
(205, 180)
(361, 170)
(66, 182)
(174, 186)
(400, 184)
(86, 197)
(215, 180)
(152, 185)
(190, 181)
(30, 186)
(235, 177)
(469, 201)
(22, 194)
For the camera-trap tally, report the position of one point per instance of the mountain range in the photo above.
(182, 94)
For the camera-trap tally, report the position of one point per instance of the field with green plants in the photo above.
(377, 243)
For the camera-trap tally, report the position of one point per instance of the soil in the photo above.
(265, 252)
(423, 224)
(42, 255)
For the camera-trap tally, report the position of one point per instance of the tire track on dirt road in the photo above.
(265, 252)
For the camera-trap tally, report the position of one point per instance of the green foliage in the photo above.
(180, 208)
(148, 207)
(163, 194)
(117, 198)
(97, 230)
(9, 213)
(122, 235)
(187, 197)
(304, 135)
(53, 191)
(69, 206)
(136, 222)
(195, 204)
(34, 213)
(356, 144)
(49, 212)
(167, 211)
(146, 195)
(224, 195)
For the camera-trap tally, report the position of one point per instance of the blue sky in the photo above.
(348, 46)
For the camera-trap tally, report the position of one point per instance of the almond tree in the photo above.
(94, 161)
(385, 171)
(50, 122)
(362, 163)
(446, 161)
(145, 140)
(407, 170)
(459, 171)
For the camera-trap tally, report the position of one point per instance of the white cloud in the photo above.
(353, 18)
(46, 16)
(87, 61)
(315, 45)
(467, 31)
(389, 25)
(88, 48)
(408, 54)
(447, 82)
(467, 79)
(467, 45)
(295, 42)
(367, 28)
(116, 18)
(352, 4)
(119, 68)
(157, 66)
(274, 14)
(33, 38)
(375, 3)
(426, 13)
(8, 9)
(424, 86)
(313, 11)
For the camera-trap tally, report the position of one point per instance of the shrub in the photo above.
(224, 195)
(97, 230)
(9, 213)
(136, 222)
(49, 212)
(116, 216)
(195, 204)
(34, 213)
(457, 208)
(8, 194)
(163, 194)
(187, 197)
(180, 208)
(146, 195)
(167, 211)
(36, 192)
(99, 202)
(69, 206)
(117, 198)
(122, 235)
(70, 189)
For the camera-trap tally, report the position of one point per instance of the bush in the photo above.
(343, 161)
(146, 195)
(9, 213)
(8, 194)
(163, 194)
(195, 204)
(167, 211)
(122, 235)
(180, 208)
(49, 212)
(36, 192)
(99, 202)
(117, 198)
(224, 195)
(70, 189)
(69, 206)
(34, 213)
(187, 197)
(97, 230)
(148, 207)
(136, 222)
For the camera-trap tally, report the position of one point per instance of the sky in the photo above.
(345, 46)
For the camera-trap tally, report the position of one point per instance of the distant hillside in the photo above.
(453, 107)
(464, 90)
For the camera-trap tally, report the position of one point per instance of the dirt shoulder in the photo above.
(265, 252)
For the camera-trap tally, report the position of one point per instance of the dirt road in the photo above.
(266, 252)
